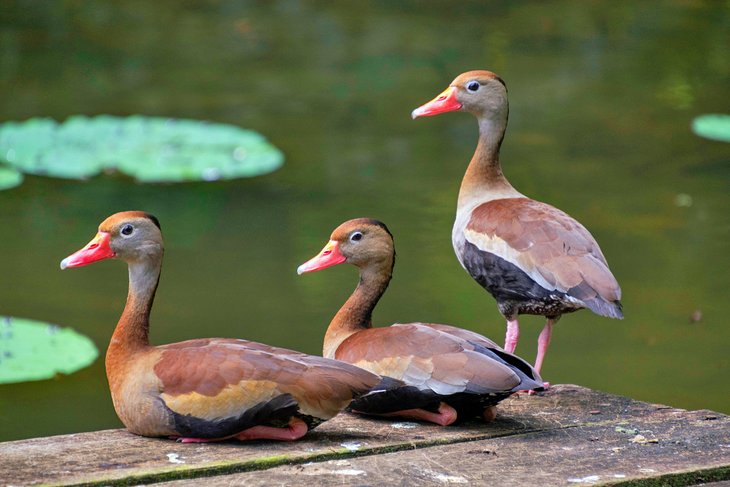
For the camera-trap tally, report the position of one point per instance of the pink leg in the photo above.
(543, 342)
(296, 429)
(444, 417)
(513, 334)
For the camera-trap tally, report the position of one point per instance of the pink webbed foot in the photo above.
(296, 429)
(444, 417)
(185, 439)
(489, 414)
(532, 392)
(545, 386)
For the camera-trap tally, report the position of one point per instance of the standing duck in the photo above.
(449, 372)
(213, 388)
(531, 257)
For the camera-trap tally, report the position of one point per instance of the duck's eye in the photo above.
(127, 229)
(356, 236)
(472, 86)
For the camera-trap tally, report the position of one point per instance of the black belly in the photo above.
(515, 291)
(275, 412)
(399, 397)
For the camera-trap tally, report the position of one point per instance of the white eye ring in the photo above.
(356, 236)
(127, 230)
(473, 86)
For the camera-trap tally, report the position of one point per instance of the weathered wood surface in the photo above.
(567, 436)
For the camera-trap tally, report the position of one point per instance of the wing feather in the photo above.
(547, 244)
(220, 378)
(427, 358)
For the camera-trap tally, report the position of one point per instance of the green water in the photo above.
(602, 98)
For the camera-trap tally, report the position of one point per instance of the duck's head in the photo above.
(132, 236)
(363, 242)
(481, 93)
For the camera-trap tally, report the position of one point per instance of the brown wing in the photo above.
(467, 335)
(427, 358)
(215, 379)
(547, 244)
(529, 377)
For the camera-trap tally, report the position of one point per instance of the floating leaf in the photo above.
(9, 177)
(151, 149)
(712, 126)
(32, 350)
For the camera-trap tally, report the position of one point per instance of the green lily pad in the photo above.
(713, 126)
(151, 149)
(32, 350)
(9, 177)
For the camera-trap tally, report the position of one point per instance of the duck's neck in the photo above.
(356, 314)
(484, 179)
(132, 332)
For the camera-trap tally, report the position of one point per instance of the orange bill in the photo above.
(329, 256)
(445, 102)
(97, 249)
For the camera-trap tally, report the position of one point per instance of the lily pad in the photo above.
(9, 177)
(32, 350)
(713, 126)
(151, 149)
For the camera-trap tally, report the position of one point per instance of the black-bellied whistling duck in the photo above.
(207, 389)
(532, 257)
(448, 371)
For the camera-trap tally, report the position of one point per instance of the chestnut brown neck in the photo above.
(356, 314)
(484, 175)
(132, 332)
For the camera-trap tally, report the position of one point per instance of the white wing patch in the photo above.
(502, 249)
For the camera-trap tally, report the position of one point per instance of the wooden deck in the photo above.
(567, 436)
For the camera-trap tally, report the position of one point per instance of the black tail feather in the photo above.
(529, 377)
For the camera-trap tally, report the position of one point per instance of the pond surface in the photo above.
(602, 98)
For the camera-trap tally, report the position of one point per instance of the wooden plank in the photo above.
(675, 448)
(118, 457)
